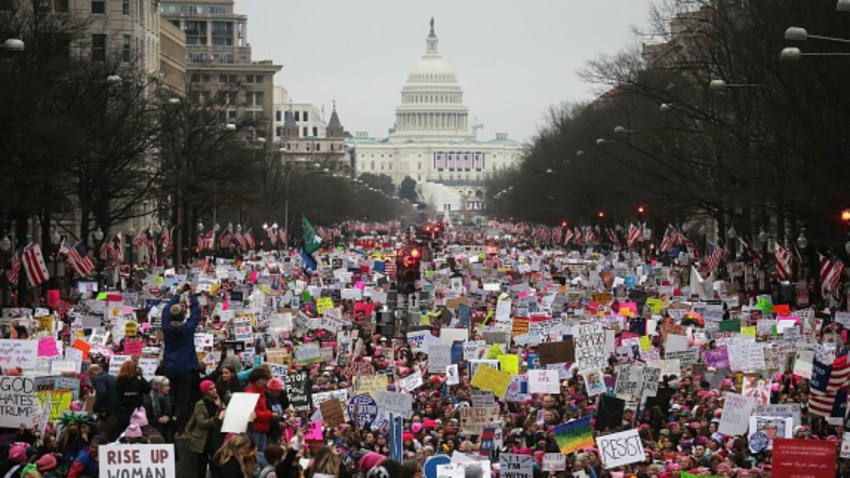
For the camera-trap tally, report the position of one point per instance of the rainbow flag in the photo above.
(574, 436)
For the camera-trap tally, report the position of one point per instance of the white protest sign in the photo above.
(137, 460)
(473, 349)
(620, 449)
(116, 361)
(411, 382)
(590, 347)
(543, 381)
(18, 353)
(439, 355)
(736, 414)
(513, 465)
(452, 375)
(18, 402)
(400, 404)
(308, 353)
(148, 366)
(449, 336)
(554, 462)
(238, 412)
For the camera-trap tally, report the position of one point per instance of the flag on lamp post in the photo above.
(34, 265)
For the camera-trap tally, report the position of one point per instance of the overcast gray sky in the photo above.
(513, 58)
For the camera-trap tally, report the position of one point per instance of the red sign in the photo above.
(803, 458)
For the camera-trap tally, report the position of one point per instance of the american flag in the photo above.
(144, 238)
(116, 249)
(784, 260)
(568, 235)
(78, 258)
(272, 235)
(752, 252)
(282, 236)
(634, 235)
(166, 240)
(714, 255)
(578, 236)
(34, 265)
(225, 240)
(249, 239)
(821, 402)
(669, 239)
(589, 238)
(14, 271)
(693, 249)
(830, 274)
(612, 236)
(240, 239)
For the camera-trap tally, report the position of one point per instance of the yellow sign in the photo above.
(45, 323)
(370, 384)
(131, 328)
(489, 379)
(60, 402)
(645, 342)
(509, 364)
(655, 305)
(603, 298)
(323, 303)
(751, 331)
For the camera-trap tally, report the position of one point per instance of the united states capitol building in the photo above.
(431, 141)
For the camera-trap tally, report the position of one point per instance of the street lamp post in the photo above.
(98, 243)
(5, 247)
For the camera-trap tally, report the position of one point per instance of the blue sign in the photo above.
(363, 410)
(431, 464)
(457, 351)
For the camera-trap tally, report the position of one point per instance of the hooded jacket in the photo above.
(179, 335)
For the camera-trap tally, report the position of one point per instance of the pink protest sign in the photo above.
(315, 431)
(47, 347)
(133, 347)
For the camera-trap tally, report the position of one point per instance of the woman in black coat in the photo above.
(132, 389)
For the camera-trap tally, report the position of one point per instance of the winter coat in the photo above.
(179, 355)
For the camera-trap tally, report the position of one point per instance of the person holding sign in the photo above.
(203, 428)
(263, 416)
(86, 462)
(179, 357)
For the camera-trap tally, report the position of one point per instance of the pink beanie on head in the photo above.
(370, 460)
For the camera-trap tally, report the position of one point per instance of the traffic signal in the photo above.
(845, 216)
(408, 261)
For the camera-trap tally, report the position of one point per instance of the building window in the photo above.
(315, 131)
(305, 116)
(318, 146)
(60, 6)
(255, 98)
(297, 116)
(277, 116)
(126, 48)
(305, 132)
(125, 7)
(98, 47)
(98, 6)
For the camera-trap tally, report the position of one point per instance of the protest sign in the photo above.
(369, 384)
(473, 420)
(717, 358)
(629, 381)
(47, 347)
(574, 436)
(332, 412)
(803, 458)
(452, 375)
(473, 349)
(411, 382)
(18, 353)
(554, 462)
(148, 366)
(298, 389)
(734, 419)
(590, 347)
(137, 460)
(238, 411)
(116, 361)
(620, 449)
(308, 353)
(363, 410)
(543, 381)
(439, 355)
(400, 404)
(513, 465)
(488, 378)
(18, 403)
(59, 402)
(784, 410)
(594, 381)
(557, 352)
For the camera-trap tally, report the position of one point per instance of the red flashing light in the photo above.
(845, 215)
(415, 253)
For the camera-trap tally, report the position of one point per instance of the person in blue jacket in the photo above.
(180, 362)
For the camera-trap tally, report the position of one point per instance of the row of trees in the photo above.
(767, 152)
(101, 143)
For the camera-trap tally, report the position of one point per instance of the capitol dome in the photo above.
(431, 101)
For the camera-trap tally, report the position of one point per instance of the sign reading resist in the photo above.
(620, 449)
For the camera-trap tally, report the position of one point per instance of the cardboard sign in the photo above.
(557, 352)
(473, 420)
(620, 449)
(400, 404)
(332, 412)
(137, 460)
(18, 403)
(803, 458)
(590, 347)
(736, 414)
(369, 384)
